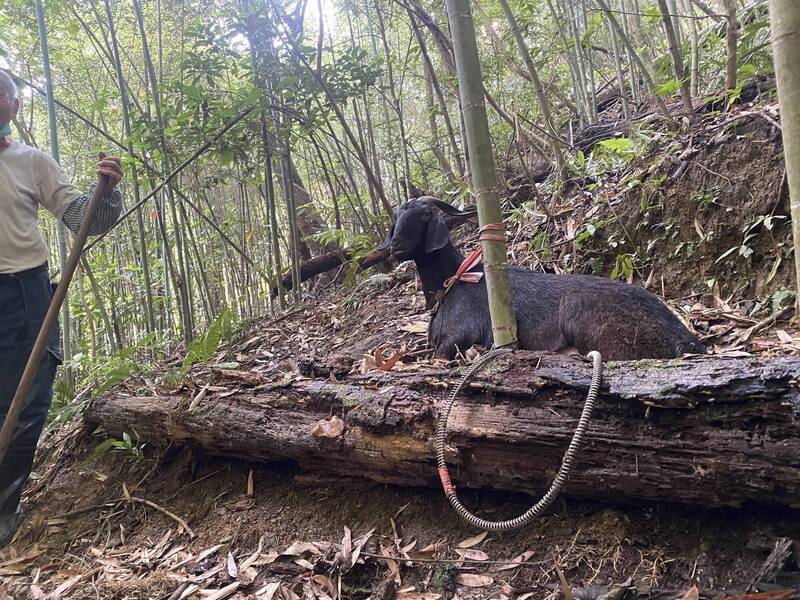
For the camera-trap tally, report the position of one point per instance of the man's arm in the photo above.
(108, 211)
(110, 205)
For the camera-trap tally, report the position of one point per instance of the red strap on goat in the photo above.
(474, 258)
(469, 262)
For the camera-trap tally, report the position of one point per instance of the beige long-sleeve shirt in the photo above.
(30, 179)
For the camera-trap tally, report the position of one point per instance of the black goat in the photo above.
(554, 312)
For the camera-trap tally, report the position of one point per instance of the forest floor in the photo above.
(139, 522)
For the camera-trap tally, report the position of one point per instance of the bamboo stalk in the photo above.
(629, 45)
(61, 236)
(785, 21)
(677, 59)
(694, 40)
(730, 41)
(465, 46)
(544, 103)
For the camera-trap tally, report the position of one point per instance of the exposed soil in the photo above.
(658, 546)
(735, 177)
(678, 208)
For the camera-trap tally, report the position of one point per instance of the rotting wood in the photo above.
(326, 262)
(710, 431)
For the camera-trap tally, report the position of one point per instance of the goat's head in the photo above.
(419, 228)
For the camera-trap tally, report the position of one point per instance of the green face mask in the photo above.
(5, 129)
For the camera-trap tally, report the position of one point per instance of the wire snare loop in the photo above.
(566, 464)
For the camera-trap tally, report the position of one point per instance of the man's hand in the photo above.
(111, 166)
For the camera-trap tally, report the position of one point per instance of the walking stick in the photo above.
(40, 346)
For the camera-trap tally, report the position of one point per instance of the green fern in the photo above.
(204, 346)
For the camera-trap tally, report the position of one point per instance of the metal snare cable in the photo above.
(566, 464)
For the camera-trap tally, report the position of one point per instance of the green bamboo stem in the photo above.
(479, 143)
(785, 21)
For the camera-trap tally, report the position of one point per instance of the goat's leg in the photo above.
(570, 351)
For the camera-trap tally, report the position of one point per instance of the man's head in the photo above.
(9, 102)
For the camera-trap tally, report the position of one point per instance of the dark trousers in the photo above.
(24, 298)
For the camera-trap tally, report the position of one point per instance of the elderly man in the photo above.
(30, 179)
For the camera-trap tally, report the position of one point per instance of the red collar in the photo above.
(469, 262)
(460, 275)
(473, 259)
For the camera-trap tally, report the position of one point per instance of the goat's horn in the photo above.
(448, 208)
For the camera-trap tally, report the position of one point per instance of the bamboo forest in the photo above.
(399, 299)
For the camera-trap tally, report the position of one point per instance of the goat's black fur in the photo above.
(554, 312)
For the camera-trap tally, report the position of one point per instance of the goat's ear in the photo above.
(385, 243)
(438, 234)
(449, 208)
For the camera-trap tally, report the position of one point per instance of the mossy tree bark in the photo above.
(710, 431)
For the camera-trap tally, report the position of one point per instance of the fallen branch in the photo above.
(327, 262)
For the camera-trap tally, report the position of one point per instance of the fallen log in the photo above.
(709, 431)
(327, 262)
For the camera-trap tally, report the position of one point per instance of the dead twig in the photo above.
(774, 563)
(769, 120)
(191, 483)
(451, 561)
(565, 587)
(162, 510)
(178, 592)
(747, 334)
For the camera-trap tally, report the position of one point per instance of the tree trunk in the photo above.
(544, 103)
(436, 149)
(623, 93)
(309, 220)
(677, 59)
(648, 77)
(61, 235)
(181, 282)
(730, 37)
(287, 176)
(711, 431)
(114, 342)
(580, 103)
(706, 9)
(393, 92)
(695, 45)
(482, 167)
(431, 77)
(626, 29)
(785, 21)
(327, 262)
